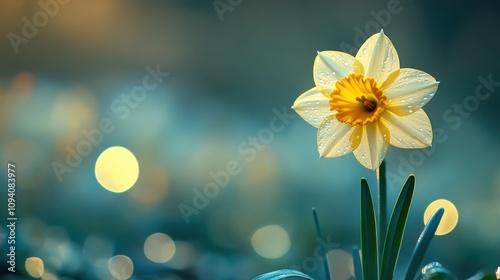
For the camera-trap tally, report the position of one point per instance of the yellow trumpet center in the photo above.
(357, 100)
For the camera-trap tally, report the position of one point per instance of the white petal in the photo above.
(412, 131)
(331, 66)
(411, 90)
(379, 57)
(373, 147)
(313, 105)
(334, 138)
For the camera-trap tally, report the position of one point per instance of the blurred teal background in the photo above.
(232, 65)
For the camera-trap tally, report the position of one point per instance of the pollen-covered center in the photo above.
(357, 100)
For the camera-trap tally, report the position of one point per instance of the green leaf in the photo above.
(396, 229)
(356, 259)
(435, 271)
(423, 242)
(326, 264)
(282, 274)
(369, 254)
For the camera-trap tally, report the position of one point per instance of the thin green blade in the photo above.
(326, 264)
(396, 229)
(356, 259)
(282, 274)
(369, 254)
(435, 271)
(422, 243)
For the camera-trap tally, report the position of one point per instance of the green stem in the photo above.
(382, 204)
(326, 265)
(356, 258)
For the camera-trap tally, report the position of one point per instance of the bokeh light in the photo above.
(450, 216)
(117, 169)
(34, 267)
(71, 116)
(341, 264)
(49, 276)
(159, 247)
(120, 267)
(271, 241)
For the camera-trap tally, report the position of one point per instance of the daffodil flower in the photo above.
(364, 103)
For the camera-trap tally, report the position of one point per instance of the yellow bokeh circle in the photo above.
(117, 169)
(271, 241)
(120, 267)
(34, 267)
(450, 216)
(159, 247)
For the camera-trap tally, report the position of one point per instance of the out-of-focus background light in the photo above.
(159, 247)
(120, 267)
(449, 219)
(118, 114)
(271, 241)
(34, 267)
(341, 264)
(116, 169)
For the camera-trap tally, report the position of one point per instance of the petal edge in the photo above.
(313, 106)
(379, 57)
(411, 90)
(334, 138)
(409, 132)
(331, 66)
